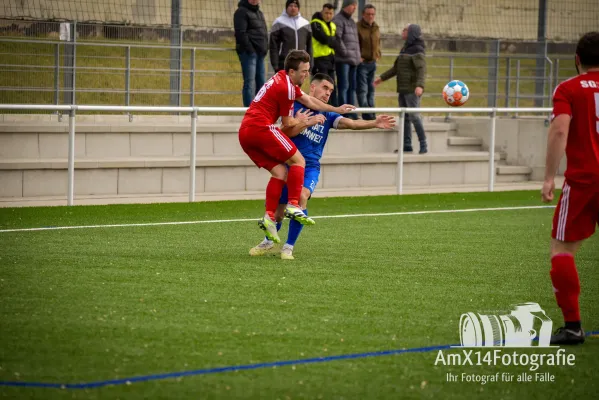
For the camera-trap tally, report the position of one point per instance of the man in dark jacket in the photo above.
(289, 32)
(251, 39)
(347, 54)
(324, 41)
(410, 71)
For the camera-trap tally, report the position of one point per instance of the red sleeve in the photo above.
(562, 103)
(298, 92)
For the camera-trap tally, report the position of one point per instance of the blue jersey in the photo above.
(310, 142)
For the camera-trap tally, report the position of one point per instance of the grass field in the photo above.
(121, 303)
(100, 76)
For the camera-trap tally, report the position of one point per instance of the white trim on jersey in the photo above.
(290, 91)
(280, 137)
(336, 121)
(563, 212)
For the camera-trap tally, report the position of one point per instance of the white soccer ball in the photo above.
(456, 93)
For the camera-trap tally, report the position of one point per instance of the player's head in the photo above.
(587, 52)
(297, 66)
(321, 87)
(328, 12)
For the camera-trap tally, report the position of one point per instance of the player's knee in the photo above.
(297, 159)
(304, 196)
(279, 172)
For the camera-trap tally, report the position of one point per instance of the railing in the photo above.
(194, 111)
(59, 72)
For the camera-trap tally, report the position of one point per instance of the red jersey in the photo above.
(274, 100)
(579, 98)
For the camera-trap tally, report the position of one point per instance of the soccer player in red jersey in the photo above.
(269, 148)
(575, 131)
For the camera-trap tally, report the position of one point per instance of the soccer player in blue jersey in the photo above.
(310, 137)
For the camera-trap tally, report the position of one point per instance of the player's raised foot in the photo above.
(565, 336)
(270, 228)
(265, 247)
(296, 213)
(287, 252)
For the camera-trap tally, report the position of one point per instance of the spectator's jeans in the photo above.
(252, 68)
(366, 72)
(346, 86)
(412, 101)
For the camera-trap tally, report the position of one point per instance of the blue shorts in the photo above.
(311, 176)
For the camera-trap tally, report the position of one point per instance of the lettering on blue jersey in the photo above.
(313, 136)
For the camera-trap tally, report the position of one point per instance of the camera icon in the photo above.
(519, 328)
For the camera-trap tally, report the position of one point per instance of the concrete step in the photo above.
(463, 143)
(513, 173)
(257, 195)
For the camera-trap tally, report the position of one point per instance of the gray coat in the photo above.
(347, 50)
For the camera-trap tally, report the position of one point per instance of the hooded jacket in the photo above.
(288, 33)
(251, 35)
(410, 66)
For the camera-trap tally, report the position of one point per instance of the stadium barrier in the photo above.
(72, 110)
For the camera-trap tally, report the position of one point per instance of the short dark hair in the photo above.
(295, 58)
(322, 77)
(368, 6)
(328, 6)
(588, 50)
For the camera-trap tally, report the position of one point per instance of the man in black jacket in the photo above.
(251, 39)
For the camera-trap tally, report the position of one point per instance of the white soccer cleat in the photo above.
(287, 252)
(265, 247)
(296, 213)
(270, 228)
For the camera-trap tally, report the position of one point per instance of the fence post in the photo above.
(57, 74)
(70, 54)
(541, 55)
(492, 151)
(400, 135)
(176, 43)
(448, 115)
(192, 78)
(127, 75)
(71, 161)
(517, 85)
(192, 156)
(508, 73)
(493, 74)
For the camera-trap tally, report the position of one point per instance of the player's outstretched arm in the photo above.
(382, 122)
(556, 147)
(314, 104)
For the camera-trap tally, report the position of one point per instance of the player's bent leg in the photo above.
(295, 228)
(566, 286)
(295, 182)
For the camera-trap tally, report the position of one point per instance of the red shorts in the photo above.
(266, 146)
(576, 214)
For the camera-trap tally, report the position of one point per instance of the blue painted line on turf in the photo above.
(274, 364)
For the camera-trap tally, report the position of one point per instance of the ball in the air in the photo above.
(456, 93)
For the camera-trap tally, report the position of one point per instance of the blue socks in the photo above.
(295, 228)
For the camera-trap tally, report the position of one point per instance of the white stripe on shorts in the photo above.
(563, 213)
(280, 137)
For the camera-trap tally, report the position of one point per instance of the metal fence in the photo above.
(59, 72)
(194, 111)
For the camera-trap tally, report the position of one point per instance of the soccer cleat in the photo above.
(270, 229)
(296, 213)
(287, 253)
(265, 247)
(567, 336)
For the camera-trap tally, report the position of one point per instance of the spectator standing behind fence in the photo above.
(251, 39)
(324, 41)
(370, 50)
(410, 71)
(289, 32)
(347, 54)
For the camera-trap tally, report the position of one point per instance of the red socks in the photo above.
(566, 285)
(295, 181)
(273, 194)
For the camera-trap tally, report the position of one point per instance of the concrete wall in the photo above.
(507, 19)
(522, 140)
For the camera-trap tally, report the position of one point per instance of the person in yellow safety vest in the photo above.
(323, 43)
